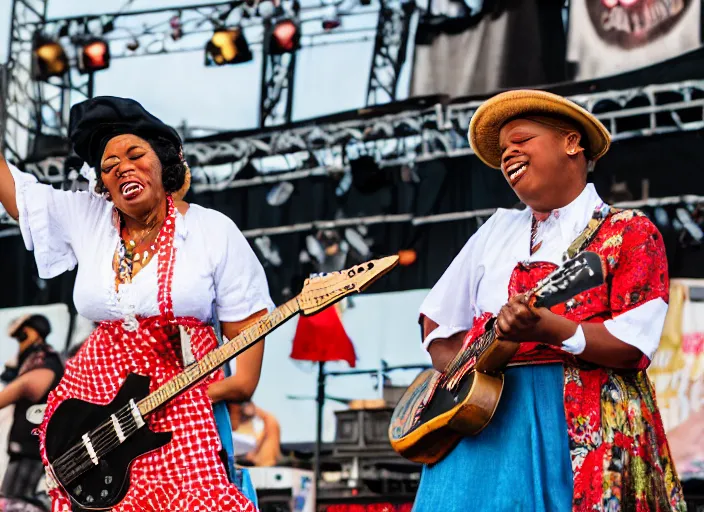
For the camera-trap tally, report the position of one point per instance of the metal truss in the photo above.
(415, 134)
(36, 113)
(35, 110)
(389, 52)
(276, 99)
(428, 132)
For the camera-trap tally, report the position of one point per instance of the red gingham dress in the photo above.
(187, 474)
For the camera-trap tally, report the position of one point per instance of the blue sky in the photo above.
(329, 79)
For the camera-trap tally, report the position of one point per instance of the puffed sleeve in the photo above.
(451, 303)
(50, 221)
(241, 288)
(640, 288)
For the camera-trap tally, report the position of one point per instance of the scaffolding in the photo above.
(37, 112)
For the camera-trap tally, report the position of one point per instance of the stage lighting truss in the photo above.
(33, 108)
(175, 30)
(410, 134)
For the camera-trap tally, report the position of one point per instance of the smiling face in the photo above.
(131, 173)
(542, 164)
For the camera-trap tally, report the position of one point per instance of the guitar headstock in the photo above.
(323, 290)
(583, 272)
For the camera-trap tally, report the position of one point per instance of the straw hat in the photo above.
(497, 111)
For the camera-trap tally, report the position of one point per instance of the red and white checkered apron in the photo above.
(187, 474)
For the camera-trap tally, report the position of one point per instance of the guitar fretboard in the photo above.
(214, 359)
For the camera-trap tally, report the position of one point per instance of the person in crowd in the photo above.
(577, 427)
(28, 380)
(146, 268)
(256, 445)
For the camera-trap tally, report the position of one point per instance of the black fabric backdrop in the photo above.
(671, 163)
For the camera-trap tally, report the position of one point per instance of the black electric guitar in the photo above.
(90, 447)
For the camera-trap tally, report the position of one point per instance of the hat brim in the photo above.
(17, 324)
(487, 121)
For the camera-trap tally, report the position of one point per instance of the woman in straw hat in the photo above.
(577, 427)
(148, 263)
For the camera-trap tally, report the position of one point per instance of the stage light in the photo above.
(94, 56)
(331, 20)
(367, 176)
(176, 27)
(227, 46)
(133, 45)
(407, 257)
(48, 58)
(285, 37)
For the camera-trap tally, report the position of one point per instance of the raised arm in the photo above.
(7, 190)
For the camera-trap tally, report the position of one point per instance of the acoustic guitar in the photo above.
(90, 447)
(439, 408)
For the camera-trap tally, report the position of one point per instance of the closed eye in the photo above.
(518, 141)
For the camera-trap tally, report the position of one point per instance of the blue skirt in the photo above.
(520, 461)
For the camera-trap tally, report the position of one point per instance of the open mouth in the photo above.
(516, 171)
(131, 189)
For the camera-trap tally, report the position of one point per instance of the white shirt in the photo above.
(477, 280)
(213, 259)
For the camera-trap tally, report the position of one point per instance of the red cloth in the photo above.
(186, 473)
(322, 337)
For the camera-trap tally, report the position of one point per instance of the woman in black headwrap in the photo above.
(113, 233)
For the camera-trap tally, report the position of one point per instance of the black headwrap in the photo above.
(95, 121)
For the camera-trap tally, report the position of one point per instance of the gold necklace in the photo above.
(131, 245)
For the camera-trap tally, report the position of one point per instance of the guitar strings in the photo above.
(99, 436)
(83, 463)
(475, 349)
(103, 437)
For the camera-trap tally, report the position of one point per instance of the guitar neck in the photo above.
(217, 357)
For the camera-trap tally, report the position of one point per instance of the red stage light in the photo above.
(332, 19)
(407, 257)
(285, 37)
(94, 56)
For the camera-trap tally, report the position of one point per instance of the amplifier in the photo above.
(362, 429)
(284, 489)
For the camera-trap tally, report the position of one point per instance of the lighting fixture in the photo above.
(285, 37)
(94, 56)
(227, 46)
(48, 58)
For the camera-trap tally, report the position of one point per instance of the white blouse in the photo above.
(213, 259)
(477, 280)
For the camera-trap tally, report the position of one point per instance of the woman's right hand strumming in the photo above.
(7, 190)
